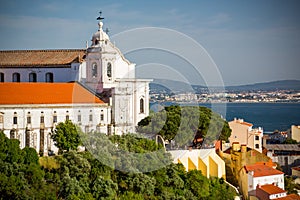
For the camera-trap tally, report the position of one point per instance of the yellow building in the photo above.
(240, 156)
(205, 160)
(295, 133)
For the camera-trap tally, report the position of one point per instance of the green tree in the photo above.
(290, 186)
(66, 136)
(30, 155)
(103, 189)
(183, 124)
(198, 184)
(290, 141)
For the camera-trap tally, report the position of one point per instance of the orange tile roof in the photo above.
(246, 123)
(290, 197)
(270, 163)
(272, 189)
(262, 170)
(45, 93)
(34, 58)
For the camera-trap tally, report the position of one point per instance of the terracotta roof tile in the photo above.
(262, 170)
(272, 189)
(33, 58)
(45, 93)
(246, 123)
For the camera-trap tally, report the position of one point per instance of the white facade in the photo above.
(109, 72)
(101, 67)
(277, 179)
(32, 124)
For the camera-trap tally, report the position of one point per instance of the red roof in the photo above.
(272, 189)
(262, 170)
(246, 123)
(45, 93)
(38, 58)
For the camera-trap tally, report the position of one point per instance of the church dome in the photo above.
(99, 36)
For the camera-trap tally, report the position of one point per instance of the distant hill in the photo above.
(167, 86)
(268, 86)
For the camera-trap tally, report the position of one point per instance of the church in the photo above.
(96, 88)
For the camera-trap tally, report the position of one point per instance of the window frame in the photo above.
(49, 77)
(16, 77)
(32, 77)
(109, 70)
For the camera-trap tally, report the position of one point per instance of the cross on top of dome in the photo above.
(100, 18)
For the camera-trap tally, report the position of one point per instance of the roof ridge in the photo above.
(41, 50)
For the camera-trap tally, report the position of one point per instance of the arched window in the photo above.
(94, 70)
(49, 77)
(141, 105)
(108, 70)
(13, 134)
(1, 77)
(16, 77)
(32, 77)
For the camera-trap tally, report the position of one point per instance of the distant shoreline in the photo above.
(178, 102)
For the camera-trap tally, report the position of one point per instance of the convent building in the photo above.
(96, 88)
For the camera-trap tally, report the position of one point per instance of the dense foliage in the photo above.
(66, 136)
(183, 124)
(79, 175)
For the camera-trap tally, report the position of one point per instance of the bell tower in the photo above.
(98, 68)
(112, 76)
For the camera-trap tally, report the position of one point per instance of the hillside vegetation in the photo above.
(74, 175)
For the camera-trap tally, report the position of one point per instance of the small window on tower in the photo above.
(94, 70)
(141, 105)
(108, 70)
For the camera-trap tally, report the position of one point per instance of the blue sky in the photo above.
(250, 41)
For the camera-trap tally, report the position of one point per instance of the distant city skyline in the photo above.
(250, 41)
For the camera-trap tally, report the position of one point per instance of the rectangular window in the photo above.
(1, 119)
(79, 118)
(256, 137)
(257, 146)
(101, 117)
(28, 120)
(91, 117)
(27, 138)
(54, 119)
(42, 119)
(67, 117)
(15, 120)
